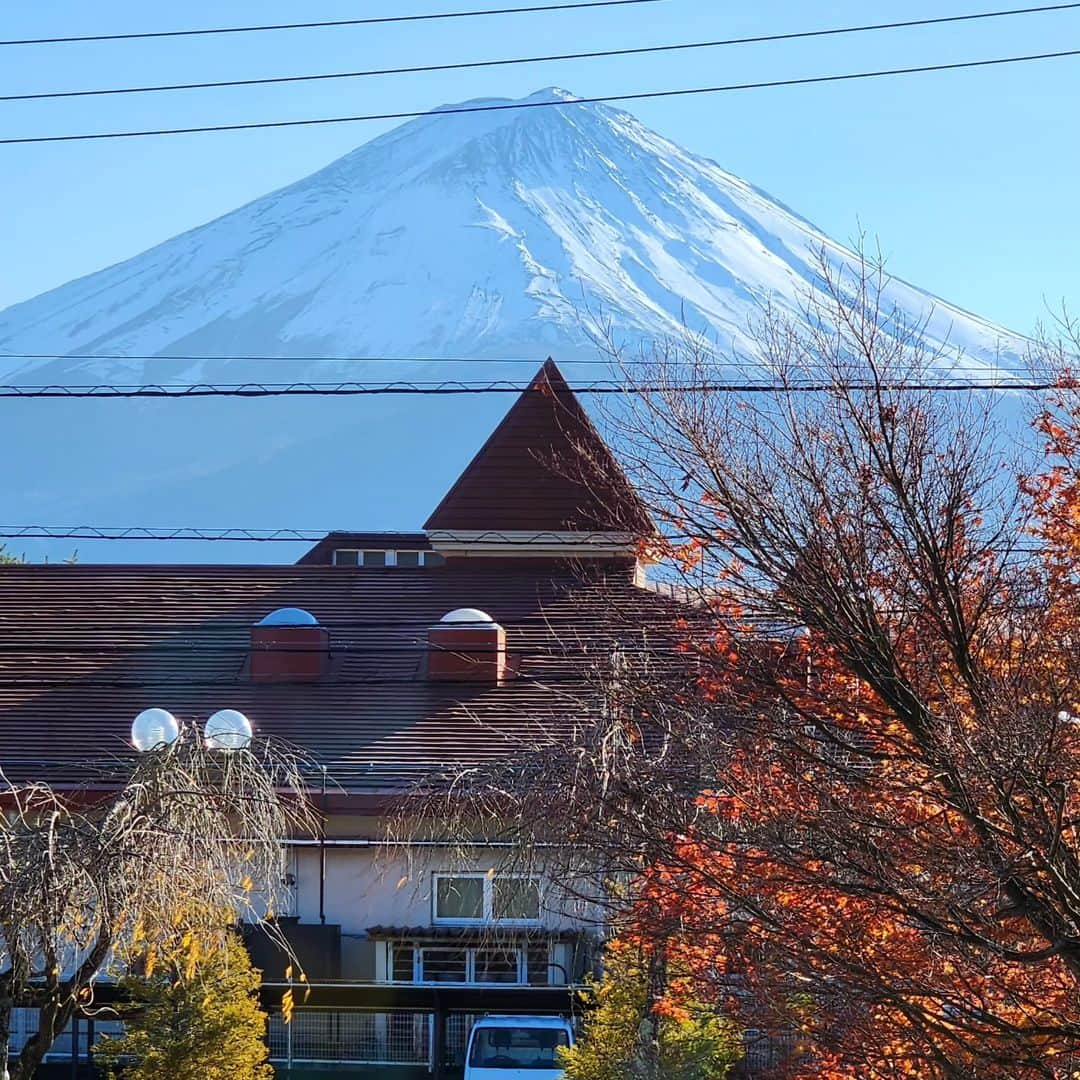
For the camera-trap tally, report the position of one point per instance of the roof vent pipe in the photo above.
(289, 645)
(467, 645)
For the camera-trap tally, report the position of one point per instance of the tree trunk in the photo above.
(7, 1008)
(52, 1020)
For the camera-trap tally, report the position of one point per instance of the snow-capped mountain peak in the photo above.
(491, 233)
(477, 233)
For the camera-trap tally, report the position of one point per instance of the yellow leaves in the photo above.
(403, 881)
(193, 954)
(287, 1006)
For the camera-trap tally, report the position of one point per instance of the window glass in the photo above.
(459, 898)
(408, 558)
(374, 558)
(346, 557)
(433, 558)
(516, 898)
(516, 1048)
(444, 965)
(402, 964)
(538, 971)
(496, 965)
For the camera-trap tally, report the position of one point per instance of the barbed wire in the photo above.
(351, 541)
(458, 387)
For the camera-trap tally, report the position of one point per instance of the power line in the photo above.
(545, 103)
(518, 625)
(147, 648)
(370, 21)
(548, 58)
(143, 532)
(175, 391)
(733, 364)
(258, 357)
(77, 683)
(348, 540)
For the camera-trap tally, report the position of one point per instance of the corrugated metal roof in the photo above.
(176, 637)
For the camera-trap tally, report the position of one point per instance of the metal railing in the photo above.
(354, 1037)
(24, 1024)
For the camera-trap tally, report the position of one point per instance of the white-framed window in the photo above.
(381, 557)
(416, 558)
(506, 964)
(477, 898)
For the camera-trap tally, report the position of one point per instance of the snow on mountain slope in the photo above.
(479, 234)
(493, 234)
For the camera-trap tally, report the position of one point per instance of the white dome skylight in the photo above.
(467, 615)
(289, 616)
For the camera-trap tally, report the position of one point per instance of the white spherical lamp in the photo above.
(154, 728)
(228, 729)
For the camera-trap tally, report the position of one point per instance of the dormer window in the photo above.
(384, 557)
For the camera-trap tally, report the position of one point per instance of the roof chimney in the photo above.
(289, 645)
(467, 645)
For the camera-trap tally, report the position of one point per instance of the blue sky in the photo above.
(969, 179)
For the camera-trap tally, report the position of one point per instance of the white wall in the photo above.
(368, 887)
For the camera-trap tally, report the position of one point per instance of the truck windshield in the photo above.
(516, 1048)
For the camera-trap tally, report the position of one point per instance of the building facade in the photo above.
(387, 657)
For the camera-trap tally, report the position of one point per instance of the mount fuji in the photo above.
(507, 233)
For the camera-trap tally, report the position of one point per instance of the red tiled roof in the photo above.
(176, 637)
(545, 467)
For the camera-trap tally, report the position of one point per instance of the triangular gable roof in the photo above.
(545, 468)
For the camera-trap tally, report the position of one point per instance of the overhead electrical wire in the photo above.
(144, 648)
(609, 363)
(185, 391)
(520, 625)
(348, 538)
(181, 679)
(595, 54)
(646, 95)
(375, 20)
(266, 357)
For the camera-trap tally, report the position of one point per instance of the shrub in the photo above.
(191, 1021)
(626, 1038)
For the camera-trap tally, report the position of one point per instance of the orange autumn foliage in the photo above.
(883, 868)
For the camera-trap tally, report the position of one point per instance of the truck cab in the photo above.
(517, 1048)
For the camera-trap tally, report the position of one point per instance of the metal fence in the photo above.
(458, 1026)
(331, 1037)
(24, 1023)
(764, 1051)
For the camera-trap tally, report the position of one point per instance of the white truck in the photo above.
(517, 1048)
